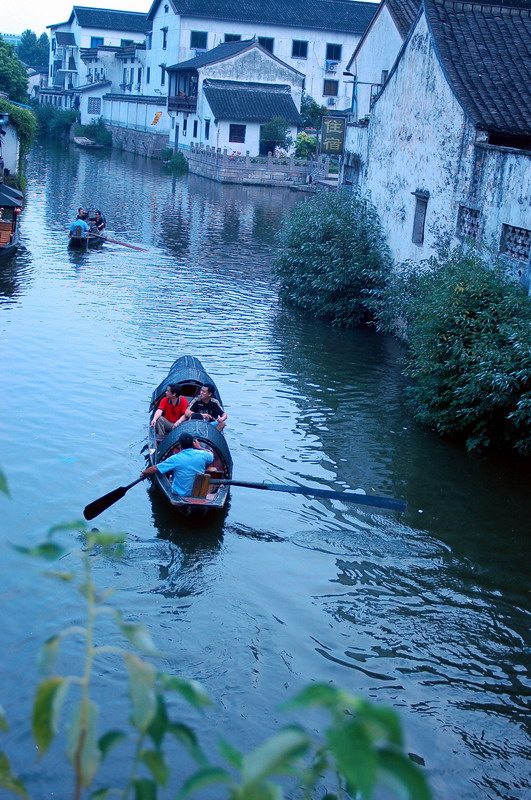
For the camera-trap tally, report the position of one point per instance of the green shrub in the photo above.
(333, 260)
(54, 122)
(305, 145)
(96, 131)
(468, 327)
(177, 161)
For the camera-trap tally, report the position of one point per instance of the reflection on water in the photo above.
(427, 611)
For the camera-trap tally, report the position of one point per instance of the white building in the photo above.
(222, 98)
(9, 144)
(86, 28)
(446, 154)
(315, 39)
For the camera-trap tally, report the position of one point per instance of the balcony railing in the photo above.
(182, 103)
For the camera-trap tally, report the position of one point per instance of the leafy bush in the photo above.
(175, 161)
(53, 121)
(96, 131)
(469, 332)
(305, 146)
(333, 260)
(311, 112)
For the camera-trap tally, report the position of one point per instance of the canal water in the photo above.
(426, 611)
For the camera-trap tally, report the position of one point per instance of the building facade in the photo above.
(446, 153)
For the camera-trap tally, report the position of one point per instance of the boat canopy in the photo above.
(187, 370)
(201, 430)
(9, 197)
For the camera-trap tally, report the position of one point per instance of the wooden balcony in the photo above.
(182, 103)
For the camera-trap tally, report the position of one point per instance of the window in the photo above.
(148, 40)
(166, 8)
(383, 78)
(172, 123)
(124, 77)
(198, 39)
(94, 105)
(185, 126)
(195, 129)
(126, 42)
(148, 74)
(468, 223)
(516, 242)
(299, 49)
(164, 32)
(237, 133)
(139, 79)
(333, 52)
(96, 41)
(420, 216)
(162, 74)
(330, 88)
(266, 42)
(233, 37)
(207, 129)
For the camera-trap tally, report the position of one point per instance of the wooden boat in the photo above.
(86, 241)
(188, 373)
(11, 202)
(82, 141)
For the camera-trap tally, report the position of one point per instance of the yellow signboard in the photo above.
(158, 115)
(333, 135)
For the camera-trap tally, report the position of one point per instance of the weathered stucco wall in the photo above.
(421, 141)
(378, 52)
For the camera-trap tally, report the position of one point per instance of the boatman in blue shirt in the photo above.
(185, 465)
(79, 223)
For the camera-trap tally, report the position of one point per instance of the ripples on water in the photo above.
(427, 611)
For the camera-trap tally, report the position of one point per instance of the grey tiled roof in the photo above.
(250, 104)
(108, 19)
(485, 51)
(224, 50)
(404, 13)
(65, 38)
(331, 15)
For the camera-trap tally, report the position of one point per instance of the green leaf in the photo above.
(49, 551)
(275, 755)
(189, 740)
(73, 525)
(49, 699)
(8, 780)
(160, 722)
(403, 776)
(101, 794)
(384, 721)
(3, 721)
(3, 484)
(156, 763)
(110, 740)
(83, 750)
(48, 655)
(145, 789)
(106, 538)
(139, 636)
(141, 690)
(230, 754)
(66, 577)
(203, 778)
(192, 691)
(320, 694)
(355, 755)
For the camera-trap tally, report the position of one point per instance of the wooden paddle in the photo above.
(348, 497)
(124, 244)
(103, 503)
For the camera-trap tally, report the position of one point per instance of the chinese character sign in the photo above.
(158, 115)
(333, 135)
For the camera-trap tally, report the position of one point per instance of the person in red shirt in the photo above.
(171, 409)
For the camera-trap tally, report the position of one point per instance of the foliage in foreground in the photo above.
(360, 748)
(469, 335)
(96, 131)
(54, 121)
(332, 259)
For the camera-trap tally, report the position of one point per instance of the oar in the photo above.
(103, 503)
(348, 497)
(124, 244)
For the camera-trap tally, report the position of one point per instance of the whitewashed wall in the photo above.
(156, 55)
(10, 148)
(420, 139)
(377, 53)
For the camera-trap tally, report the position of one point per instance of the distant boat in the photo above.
(11, 203)
(82, 141)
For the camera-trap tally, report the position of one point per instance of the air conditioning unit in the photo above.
(200, 51)
(331, 101)
(331, 66)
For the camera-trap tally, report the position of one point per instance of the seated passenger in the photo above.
(79, 228)
(206, 407)
(82, 214)
(170, 411)
(99, 221)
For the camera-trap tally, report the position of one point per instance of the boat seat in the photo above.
(5, 237)
(78, 231)
(5, 225)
